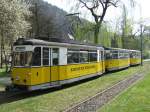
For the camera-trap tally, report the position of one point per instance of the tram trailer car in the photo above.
(116, 58)
(135, 57)
(39, 64)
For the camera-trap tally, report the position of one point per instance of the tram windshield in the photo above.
(23, 58)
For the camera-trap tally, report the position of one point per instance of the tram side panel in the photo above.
(124, 59)
(111, 62)
(79, 67)
(116, 59)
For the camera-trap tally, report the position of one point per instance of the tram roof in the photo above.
(135, 50)
(52, 41)
(108, 48)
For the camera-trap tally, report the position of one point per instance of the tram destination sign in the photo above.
(20, 48)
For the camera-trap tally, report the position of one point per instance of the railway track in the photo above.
(101, 98)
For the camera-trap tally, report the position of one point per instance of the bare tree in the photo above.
(98, 9)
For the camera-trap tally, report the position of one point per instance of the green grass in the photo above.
(2, 73)
(135, 99)
(61, 99)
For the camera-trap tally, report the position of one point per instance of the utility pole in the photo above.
(141, 37)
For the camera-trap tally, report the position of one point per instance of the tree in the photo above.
(45, 20)
(13, 23)
(98, 9)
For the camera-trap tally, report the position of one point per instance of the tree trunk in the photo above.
(96, 33)
(2, 42)
(6, 61)
(1, 64)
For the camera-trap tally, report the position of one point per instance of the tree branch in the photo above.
(102, 3)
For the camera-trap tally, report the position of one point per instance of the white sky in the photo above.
(142, 10)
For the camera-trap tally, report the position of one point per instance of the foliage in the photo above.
(98, 9)
(13, 23)
(48, 21)
(84, 32)
(13, 19)
(3, 73)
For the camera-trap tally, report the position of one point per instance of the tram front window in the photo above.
(22, 58)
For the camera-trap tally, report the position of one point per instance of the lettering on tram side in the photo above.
(83, 68)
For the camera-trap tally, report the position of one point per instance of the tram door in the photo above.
(54, 68)
(103, 61)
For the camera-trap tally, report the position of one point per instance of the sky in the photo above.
(141, 11)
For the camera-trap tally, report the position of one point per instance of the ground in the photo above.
(58, 100)
(135, 99)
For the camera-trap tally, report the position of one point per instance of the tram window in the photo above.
(121, 55)
(83, 56)
(55, 56)
(37, 57)
(132, 55)
(108, 56)
(92, 56)
(115, 56)
(73, 56)
(127, 55)
(139, 55)
(22, 58)
(45, 56)
(100, 55)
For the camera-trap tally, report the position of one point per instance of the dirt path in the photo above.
(97, 101)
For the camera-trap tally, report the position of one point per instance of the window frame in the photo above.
(70, 50)
(92, 52)
(41, 56)
(49, 57)
(52, 64)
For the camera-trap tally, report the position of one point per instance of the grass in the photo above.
(2, 73)
(59, 100)
(135, 99)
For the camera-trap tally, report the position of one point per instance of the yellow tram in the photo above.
(135, 57)
(116, 59)
(39, 64)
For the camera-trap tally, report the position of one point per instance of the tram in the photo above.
(116, 59)
(41, 64)
(135, 57)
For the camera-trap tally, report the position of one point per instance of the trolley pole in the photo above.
(141, 37)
